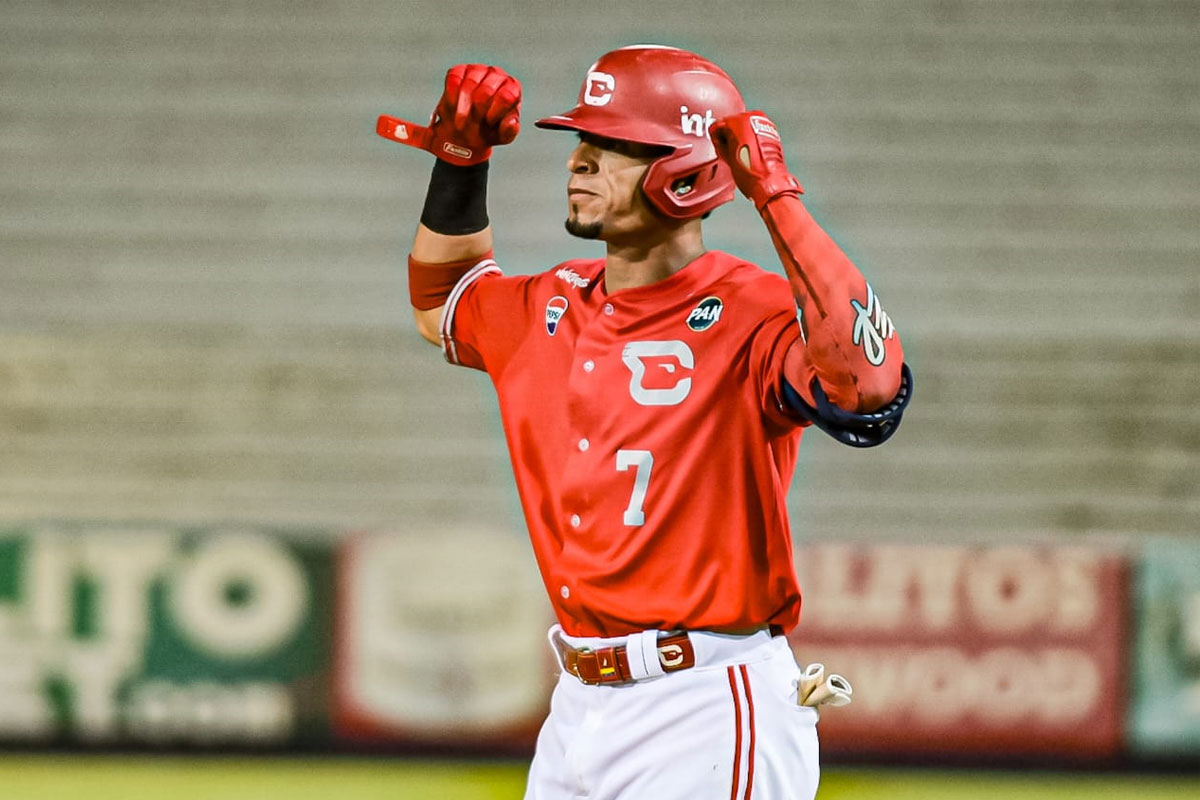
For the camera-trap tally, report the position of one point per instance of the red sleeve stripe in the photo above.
(447, 327)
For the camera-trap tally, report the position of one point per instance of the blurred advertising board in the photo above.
(142, 635)
(984, 651)
(442, 641)
(253, 637)
(1165, 715)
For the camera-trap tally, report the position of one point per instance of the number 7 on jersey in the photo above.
(643, 461)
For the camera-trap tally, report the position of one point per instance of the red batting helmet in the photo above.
(664, 96)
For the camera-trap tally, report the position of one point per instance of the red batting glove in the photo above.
(749, 143)
(479, 108)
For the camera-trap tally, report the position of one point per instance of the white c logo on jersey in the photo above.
(670, 358)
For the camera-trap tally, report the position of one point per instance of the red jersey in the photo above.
(649, 445)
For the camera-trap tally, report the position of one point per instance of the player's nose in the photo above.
(580, 161)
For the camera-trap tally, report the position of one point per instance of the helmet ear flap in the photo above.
(688, 183)
(704, 176)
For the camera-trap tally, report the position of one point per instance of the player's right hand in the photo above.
(480, 108)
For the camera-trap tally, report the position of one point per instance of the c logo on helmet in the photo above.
(599, 88)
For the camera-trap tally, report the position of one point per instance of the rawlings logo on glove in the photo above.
(764, 127)
(480, 108)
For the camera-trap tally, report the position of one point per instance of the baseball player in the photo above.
(653, 402)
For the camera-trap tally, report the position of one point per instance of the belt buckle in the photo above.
(607, 669)
(571, 656)
(578, 655)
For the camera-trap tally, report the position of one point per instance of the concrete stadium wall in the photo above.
(203, 311)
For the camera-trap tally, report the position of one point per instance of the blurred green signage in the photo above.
(163, 637)
(1165, 715)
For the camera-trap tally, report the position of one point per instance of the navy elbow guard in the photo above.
(856, 430)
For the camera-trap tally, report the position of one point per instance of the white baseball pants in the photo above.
(727, 729)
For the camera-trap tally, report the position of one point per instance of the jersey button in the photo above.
(575, 521)
(565, 592)
(584, 444)
(608, 309)
(589, 365)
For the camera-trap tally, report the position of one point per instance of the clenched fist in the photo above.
(750, 144)
(480, 107)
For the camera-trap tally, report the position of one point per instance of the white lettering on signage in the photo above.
(126, 564)
(165, 712)
(95, 670)
(1002, 590)
(271, 581)
(41, 638)
(999, 687)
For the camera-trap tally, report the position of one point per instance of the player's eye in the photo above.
(622, 147)
(600, 142)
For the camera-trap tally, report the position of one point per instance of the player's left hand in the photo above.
(480, 108)
(750, 144)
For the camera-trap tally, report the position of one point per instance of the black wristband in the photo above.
(456, 203)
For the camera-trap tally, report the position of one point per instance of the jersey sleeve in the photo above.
(482, 321)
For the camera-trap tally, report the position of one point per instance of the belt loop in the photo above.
(554, 637)
(642, 651)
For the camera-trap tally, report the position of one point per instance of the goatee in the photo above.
(583, 230)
